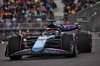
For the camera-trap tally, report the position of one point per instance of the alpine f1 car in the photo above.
(50, 41)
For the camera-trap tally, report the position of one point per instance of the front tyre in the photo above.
(84, 42)
(68, 44)
(14, 45)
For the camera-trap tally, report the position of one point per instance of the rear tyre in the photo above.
(84, 42)
(14, 45)
(68, 44)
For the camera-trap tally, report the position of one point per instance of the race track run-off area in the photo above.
(82, 59)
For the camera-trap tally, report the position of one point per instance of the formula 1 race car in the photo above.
(50, 41)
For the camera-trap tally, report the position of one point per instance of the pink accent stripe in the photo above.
(90, 41)
(20, 41)
(68, 25)
(73, 41)
(64, 26)
(26, 50)
(57, 49)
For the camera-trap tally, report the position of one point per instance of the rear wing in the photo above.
(64, 28)
(69, 27)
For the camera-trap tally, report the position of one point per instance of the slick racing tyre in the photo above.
(68, 44)
(14, 45)
(84, 42)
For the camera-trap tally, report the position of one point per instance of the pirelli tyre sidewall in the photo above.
(84, 42)
(14, 45)
(68, 44)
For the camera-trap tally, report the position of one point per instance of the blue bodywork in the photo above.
(40, 43)
(66, 27)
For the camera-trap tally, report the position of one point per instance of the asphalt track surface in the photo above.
(83, 59)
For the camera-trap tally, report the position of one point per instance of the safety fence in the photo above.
(38, 22)
(89, 18)
(8, 29)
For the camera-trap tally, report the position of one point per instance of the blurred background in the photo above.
(26, 16)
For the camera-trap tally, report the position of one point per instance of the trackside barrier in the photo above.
(89, 18)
